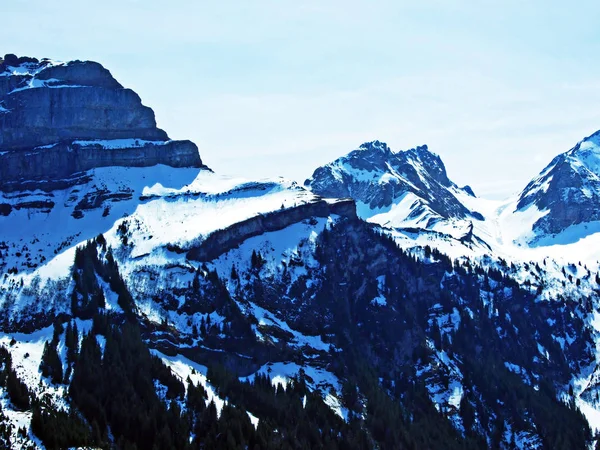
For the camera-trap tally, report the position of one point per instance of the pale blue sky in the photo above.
(268, 87)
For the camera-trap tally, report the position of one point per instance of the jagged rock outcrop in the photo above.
(568, 189)
(224, 240)
(60, 118)
(378, 177)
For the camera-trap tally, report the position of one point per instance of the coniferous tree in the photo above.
(51, 364)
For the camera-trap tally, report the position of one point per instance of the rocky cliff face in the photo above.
(51, 113)
(24, 169)
(226, 239)
(379, 178)
(567, 191)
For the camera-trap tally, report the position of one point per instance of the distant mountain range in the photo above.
(411, 189)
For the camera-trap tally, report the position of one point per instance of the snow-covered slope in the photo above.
(269, 277)
(150, 218)
(156, 213)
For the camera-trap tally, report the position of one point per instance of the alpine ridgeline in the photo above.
(147, 302)
(410, 190)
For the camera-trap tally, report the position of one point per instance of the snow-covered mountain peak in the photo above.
(408, 188)
(431, 162)
(409, 191)
(374, 146)
(567, 194)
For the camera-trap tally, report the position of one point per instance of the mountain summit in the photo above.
(58, 119)
(408, 187)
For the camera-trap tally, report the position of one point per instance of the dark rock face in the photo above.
(224, 240)
(377, 176)
(62, 160)
(5, 209)
(569, 187)
(45, 108)
(44, 116)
